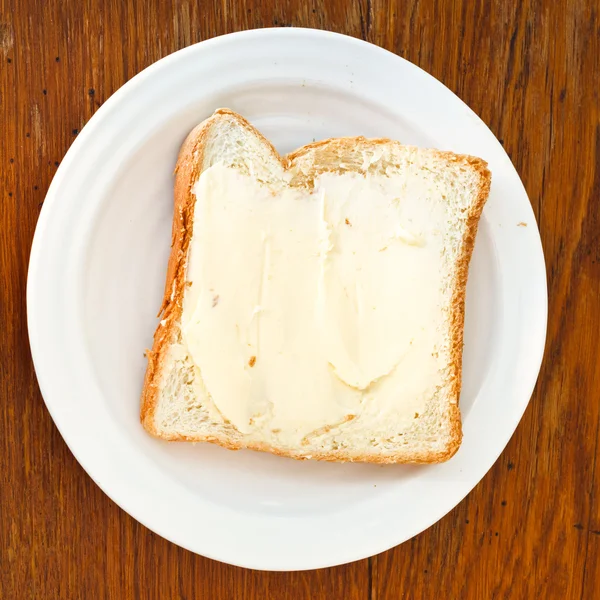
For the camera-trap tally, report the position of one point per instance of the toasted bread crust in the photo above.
(188, 170)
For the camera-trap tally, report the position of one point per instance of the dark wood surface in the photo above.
(531, 528)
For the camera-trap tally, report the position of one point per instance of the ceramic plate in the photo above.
(96, 278)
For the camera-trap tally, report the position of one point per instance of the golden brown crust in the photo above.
(332, 145)
(414, 458)
(457, 318)
(188, 169)
(171, 306)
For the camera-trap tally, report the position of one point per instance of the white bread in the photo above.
(175, 404)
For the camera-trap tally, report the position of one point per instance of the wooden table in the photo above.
(531, 528)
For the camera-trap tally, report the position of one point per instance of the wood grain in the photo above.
(531, 528)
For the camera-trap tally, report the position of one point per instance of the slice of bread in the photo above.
(176, 404)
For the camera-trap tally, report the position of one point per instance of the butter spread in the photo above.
(307, 307)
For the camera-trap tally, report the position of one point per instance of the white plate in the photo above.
(97, 270)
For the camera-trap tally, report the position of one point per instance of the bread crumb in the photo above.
(522, 224)
(215, 300)
(348, 222)
(416, 415)
(252, 361)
